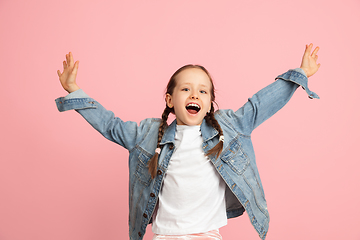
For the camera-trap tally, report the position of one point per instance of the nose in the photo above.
(194, 96)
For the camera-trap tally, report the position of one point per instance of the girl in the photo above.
(189, 177)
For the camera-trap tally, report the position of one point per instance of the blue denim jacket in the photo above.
(236, 164)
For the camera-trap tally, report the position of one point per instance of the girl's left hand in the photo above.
(309, 59)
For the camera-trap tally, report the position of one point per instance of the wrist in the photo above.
(306, 73)
(72, 88)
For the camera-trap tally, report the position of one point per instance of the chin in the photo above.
(192, 123)
(191, 120)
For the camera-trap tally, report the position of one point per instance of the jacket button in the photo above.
(139, 234)
(171, 147)
(159, 172)
(145, 215)
(152, 195)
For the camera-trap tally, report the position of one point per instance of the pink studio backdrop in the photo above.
(60, 179)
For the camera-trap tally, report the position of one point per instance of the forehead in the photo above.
(193, 76)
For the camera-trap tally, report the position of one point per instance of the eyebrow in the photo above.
(187, 83)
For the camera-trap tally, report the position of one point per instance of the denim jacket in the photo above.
(236, 164)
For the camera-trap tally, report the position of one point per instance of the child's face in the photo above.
(191, 98)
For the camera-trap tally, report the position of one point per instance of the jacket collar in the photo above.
(169, 134)
(207, 132)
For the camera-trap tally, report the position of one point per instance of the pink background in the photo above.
(60, 179)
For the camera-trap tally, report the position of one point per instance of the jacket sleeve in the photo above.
(269, 100)
(126, 134)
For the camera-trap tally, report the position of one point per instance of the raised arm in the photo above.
(272, 98)
(127, 134)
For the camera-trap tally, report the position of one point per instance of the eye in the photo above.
(185, 89)
(202, 91)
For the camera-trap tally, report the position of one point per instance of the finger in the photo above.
(316, 58)
(308, 49)
(67, 59)
(71, 59)
(59, 73)
(76, 66)
(315, 51)
(64, 65)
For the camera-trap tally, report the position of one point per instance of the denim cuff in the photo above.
(77, 94)
(75, 100)
(299, 77)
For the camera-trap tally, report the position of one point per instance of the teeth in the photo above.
(193, 105)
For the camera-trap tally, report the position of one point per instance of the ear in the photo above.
(168, 100)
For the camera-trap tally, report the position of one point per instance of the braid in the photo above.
(154, 160)
(210, 118)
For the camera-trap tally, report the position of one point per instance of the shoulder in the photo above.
(224, 114)
(232, 121)
(147, 130)
(225, 117)
(150, 123)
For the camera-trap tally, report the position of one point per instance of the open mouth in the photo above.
(192, 108)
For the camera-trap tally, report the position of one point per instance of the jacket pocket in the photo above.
(235, 157)
(142, 170)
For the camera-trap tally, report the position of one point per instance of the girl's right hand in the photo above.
(68, 76)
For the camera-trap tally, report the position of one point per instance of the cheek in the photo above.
(178, 101)
(208, 105)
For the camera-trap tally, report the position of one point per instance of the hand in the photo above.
(309, 59)
(68, 76)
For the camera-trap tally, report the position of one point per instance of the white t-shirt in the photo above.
(192, 198)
